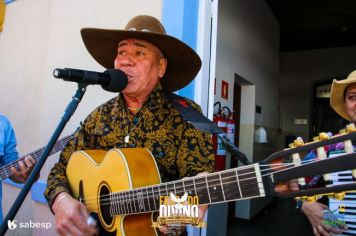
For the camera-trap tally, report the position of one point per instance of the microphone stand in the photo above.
(72, 106)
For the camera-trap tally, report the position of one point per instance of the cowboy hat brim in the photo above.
(337, 100)
(183, 62)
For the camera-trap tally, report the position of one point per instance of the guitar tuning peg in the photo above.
(339, 196)
(312, 199)
(323, 136)
(351, 128)
(316, 138)
(342, 131)
(298, 142)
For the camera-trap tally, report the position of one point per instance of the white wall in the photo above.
(38, 36)
(299, 70)
(248, 45)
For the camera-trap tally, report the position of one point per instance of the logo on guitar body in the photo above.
(178, 211)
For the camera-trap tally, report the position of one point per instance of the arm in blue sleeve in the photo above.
(10, 152)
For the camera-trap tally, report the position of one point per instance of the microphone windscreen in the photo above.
(118, 80)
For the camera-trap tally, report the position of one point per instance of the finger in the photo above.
(163, 229)
(293, 185)
(61, 230)
(32, 159)
(315, 231)
(72, 229)
(22, 167)
(14, 171)
(336, 230)
(201, 211)
(28, 163)
(89, 229)
(322, 231)
(17, 174)
(23, 170)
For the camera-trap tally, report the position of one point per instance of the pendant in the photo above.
(127, 139)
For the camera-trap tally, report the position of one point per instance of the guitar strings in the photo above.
(6, 169)
(212, 174)
(127, 208)
(125, 196)
(128, 200)
(181, 180)
(200, 177)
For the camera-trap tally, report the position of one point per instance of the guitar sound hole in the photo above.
(105, 205)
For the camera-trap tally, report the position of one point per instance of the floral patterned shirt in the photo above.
(179, 149)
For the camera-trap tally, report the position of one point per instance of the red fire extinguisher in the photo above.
(220, 152)
(230, 125)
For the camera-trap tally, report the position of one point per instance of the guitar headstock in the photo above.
(284, 172)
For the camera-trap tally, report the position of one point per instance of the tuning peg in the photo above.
(339, 196)
(298, 142)
(311, 198)
(351, 128)
(316, 138)
(323, 136)
(291, 145)
(296, 159)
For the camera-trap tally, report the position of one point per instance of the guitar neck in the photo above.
(229, 185)
(5, 171)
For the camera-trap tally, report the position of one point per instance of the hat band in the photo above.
(134, 29)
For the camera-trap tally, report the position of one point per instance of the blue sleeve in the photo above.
(7, 141)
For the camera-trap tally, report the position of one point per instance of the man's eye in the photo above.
(140, 53)
(121, 53)
(352, 98)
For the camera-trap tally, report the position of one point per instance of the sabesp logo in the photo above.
(28, 225)
(11, 224)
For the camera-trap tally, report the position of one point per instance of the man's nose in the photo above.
(126, 60)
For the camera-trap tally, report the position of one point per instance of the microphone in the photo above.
(111, 80)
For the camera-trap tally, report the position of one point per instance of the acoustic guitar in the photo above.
(123, 187)
(5, 170)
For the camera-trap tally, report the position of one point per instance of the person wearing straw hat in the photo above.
(343, 97)
(141, 116)
(343, 101)
(9, 154)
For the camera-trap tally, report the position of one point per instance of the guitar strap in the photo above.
(199, 121)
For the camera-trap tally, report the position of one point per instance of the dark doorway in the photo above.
(324, 118)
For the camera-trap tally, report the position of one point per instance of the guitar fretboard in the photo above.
(5, 171)
(239, 183)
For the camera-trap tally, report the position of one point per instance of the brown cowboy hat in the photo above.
(337, 97)
(183, 62)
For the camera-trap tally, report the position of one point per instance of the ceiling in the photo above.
(314, 24)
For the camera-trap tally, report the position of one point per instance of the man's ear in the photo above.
(162, 67)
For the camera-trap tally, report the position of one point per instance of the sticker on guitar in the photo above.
(177, 211)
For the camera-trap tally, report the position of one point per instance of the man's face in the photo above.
(143, 64)
(350, 102)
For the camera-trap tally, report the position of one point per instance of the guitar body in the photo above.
(94, 173)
